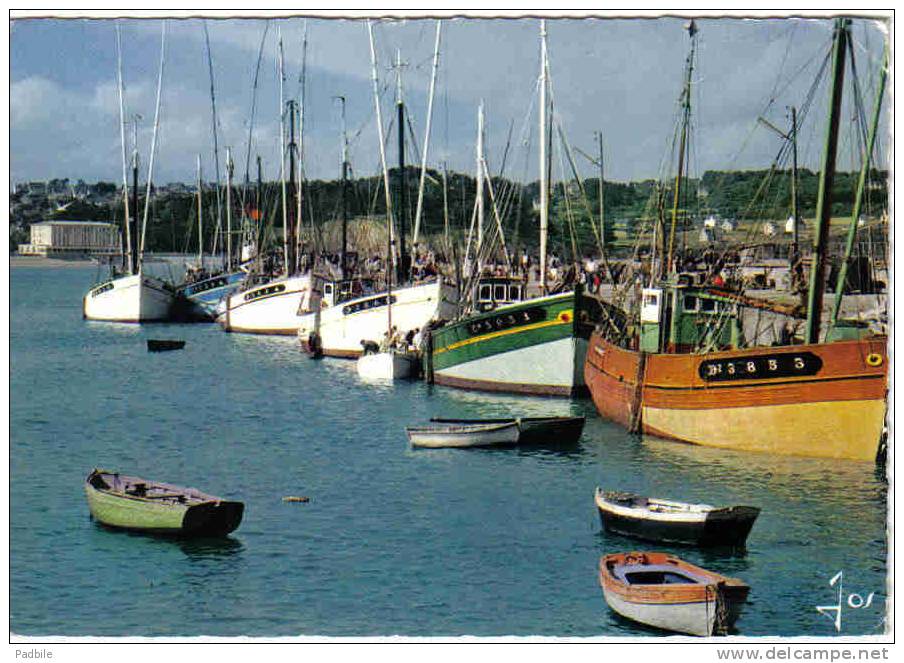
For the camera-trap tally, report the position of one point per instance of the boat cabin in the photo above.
(336, 292)
(495, 291)
(680, 317)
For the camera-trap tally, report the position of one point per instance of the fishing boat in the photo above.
(687, 372)
(506, 341)
(464, 435)
(198, 300)
(390, 365)
(273, 303)
(562, 431)
(132, 503)
(164, 345)
(674, 522)
(131, 294)
(666, 592)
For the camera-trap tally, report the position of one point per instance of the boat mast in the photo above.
(344, 192)
(259, 230)
(861, 185)
(229, 169)
(200, 220)
(135, 267)
(292, 258)
(282, 153)
(480, 187)
(127, 253)
(216, 147)
(299, 188)
(420, 188)
(826, 181)
(403, 188)
(544, 185)
(147, 199)
(376, 88)
(685, 123)
(795, 212)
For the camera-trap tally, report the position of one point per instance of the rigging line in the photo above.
(254, 87)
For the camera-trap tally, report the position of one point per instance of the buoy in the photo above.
(874, 359)
(296, 498)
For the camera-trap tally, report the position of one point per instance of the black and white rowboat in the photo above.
(560, 431)
(674, 522)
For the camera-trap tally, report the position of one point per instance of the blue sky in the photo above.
(622, 77)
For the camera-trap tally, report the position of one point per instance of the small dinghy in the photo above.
(674, 522)
(158, 345)
(391, 365)
(127, 502)
(464, 435)
(660, 590)
(534, 431)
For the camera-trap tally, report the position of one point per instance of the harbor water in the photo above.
(393, 540)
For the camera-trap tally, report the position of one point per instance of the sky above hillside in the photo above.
(622, 77)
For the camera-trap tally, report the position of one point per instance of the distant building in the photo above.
(769, 229)
(729, 225)
(789, 225)
(710, 222)
(69, 238)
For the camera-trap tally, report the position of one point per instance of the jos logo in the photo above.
(854, 601)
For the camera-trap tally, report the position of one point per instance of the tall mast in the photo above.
(216, 147)
(282, 155)
(686, 103)
(147, 199)
(861, 185)
(344, 192)
(795, 212)
(403, 192)
(258, 206)
(229, 169)
(291, 259)
(420, 189)
(200, 220)
(299, 189)
(376, 88)
(135, 266)
(127, 252)
(826, 181)
(544, 184)
(480, 187)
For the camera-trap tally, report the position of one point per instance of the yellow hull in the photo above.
(834, 429)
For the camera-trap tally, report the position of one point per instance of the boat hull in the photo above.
(274, 308)
(386, 366)
(729, 526)
(710, 605)
(198, 302)
(535, 431)
(133, 298)
(141, 515)
(474, 436)
(534, 347)
(836, 411)
(344, 326)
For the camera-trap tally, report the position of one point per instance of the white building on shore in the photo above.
(61, 238)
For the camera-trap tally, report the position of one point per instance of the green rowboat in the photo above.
(132, 503)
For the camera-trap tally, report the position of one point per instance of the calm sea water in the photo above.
(394, 541)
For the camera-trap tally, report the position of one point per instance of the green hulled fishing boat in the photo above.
(132, 503)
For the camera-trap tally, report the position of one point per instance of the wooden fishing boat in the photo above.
(687, 372)
(392, 365)
(132, 503)
(534, 430)
(464, 435)
(164, 345)
(674, 522)
(666, 592)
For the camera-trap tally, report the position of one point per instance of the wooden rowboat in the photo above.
(164, 345)
(128, 502)
(666, 592)
(464, 435)
(562, 431)
(674, 522)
